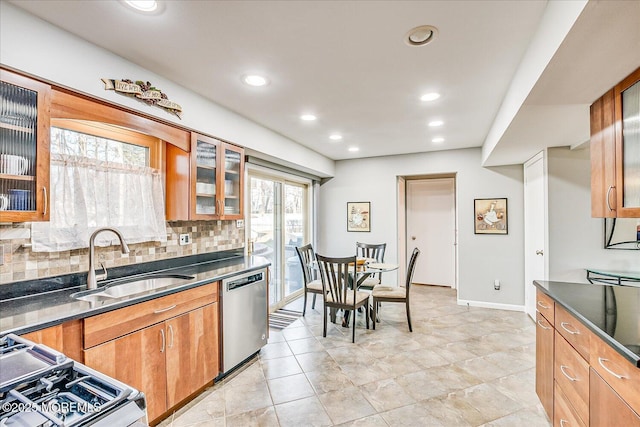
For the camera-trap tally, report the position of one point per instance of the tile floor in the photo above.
(460, 367)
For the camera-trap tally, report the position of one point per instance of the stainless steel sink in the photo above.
(128, 287)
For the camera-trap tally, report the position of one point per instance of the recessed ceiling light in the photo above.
(255, 80)
(143, 5)
(419, 36)
(436, 123)
(430, 96)
(354, 149)
(335, 137)
(308, 117)
(437, 140)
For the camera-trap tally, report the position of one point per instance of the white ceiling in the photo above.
(345, 62)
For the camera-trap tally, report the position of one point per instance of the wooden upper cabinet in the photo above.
(615, 151)
(627, 118)
(24, 148)
(217, 171)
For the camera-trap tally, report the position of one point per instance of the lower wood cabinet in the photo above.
(544, 362)
(167, 347)
(607, 408)
(65, 338)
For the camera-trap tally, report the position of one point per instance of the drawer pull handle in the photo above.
(572, 332)
(539, 322)
(162, 310)
(618, 376)
(546, 307)
(562, 368)
(563, 422)
(163, 341)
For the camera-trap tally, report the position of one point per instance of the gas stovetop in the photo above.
(42, 387)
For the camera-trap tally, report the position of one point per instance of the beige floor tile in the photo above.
(305, 345)
(487, 400)
(304, 412)
(275, 350)
(327, 380)
(265, 417)
(318, 360)
(241, 398)
(411, 416)
(290, 388)
(371, 421)
(346, 405)
(280, 367)
(386, 394)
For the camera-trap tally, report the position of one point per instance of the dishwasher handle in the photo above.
(234, 284)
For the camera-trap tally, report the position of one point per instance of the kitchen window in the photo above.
(101, 176)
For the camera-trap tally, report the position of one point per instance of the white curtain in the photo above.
(87, 194)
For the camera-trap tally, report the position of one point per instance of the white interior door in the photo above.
(431, 228)
(534, 229)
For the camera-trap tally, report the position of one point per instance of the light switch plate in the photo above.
(239, 223)
(185, 239)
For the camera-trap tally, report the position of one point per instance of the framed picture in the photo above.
(490, 216)
(358, 216)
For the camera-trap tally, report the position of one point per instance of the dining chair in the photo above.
(311, 285)
(375, 251)
(385, 293)
(335, 276)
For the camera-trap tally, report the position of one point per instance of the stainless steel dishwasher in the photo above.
(244, 317)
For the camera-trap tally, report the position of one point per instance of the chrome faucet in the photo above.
(91, 276)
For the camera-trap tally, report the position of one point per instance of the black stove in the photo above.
(42, 387)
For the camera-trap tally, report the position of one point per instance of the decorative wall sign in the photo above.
(358, 216)
(145, 92)
(490, 216)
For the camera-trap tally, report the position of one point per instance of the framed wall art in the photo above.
(490, 216)
(358, 216)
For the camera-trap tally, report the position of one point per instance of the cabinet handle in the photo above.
(46, 203)
(539, 322)
(563, 422)
(572, 332)
(163, 340)
(611, 187)
(162, 310)
(562, 368)
(618, 376)
(543, 306)
(170, 336)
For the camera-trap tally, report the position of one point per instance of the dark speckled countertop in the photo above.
(25, 313)
(612, 312)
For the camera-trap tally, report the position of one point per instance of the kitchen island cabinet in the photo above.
(65, 338)
(596, 373)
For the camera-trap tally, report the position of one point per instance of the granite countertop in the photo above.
(612, 312)
(22, 314)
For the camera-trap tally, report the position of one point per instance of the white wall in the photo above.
(38, 48)
(575, 239)
(482, 258)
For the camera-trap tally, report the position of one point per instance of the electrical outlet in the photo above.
(185, 239)
(496, 284)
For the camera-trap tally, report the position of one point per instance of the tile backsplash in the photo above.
(20, 263)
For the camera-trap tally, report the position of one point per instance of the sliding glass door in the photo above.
(279, 222)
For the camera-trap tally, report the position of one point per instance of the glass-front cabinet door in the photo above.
(231, 198)
(217, 171)
(24, 148)
(628, 146)
(204, 156)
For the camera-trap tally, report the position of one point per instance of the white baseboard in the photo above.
(497, 306)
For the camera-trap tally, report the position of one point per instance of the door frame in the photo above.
(529, 290)
(252, 170)
(401, 198)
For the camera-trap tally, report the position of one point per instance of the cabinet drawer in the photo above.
(572, 376)
(545, 306)
(617, 371)
(573, 331)
(107, 326)
(563, 413)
